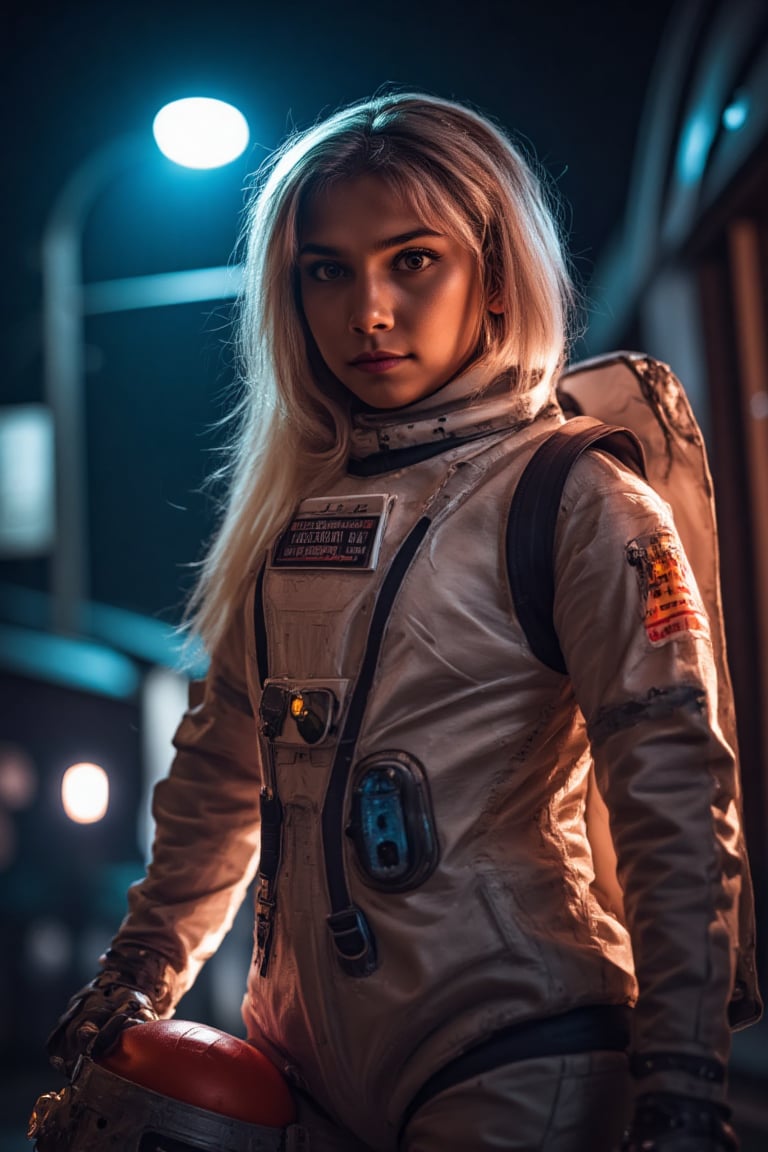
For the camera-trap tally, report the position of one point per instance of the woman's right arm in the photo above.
(204, 855)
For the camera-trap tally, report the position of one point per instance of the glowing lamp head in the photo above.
(199, 132)
(85, 793)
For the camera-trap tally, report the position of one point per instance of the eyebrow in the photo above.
(379, 246)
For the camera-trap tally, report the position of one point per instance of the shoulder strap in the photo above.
(533, 520)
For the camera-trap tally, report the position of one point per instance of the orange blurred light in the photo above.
(85, 793)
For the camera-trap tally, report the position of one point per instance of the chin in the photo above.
(386, 396)
(384, 403)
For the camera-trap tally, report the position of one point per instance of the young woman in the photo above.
(435, 966)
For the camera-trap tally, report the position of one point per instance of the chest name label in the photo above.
(338, 533)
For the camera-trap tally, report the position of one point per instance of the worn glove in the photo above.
(133, 987)
(666, 1122)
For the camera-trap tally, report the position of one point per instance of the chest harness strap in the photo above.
(270, 808)
(353, 939)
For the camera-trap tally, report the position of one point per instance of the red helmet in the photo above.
(171, 1086)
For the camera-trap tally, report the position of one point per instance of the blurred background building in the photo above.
(651, 121)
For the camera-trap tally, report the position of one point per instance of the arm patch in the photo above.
(669, 598)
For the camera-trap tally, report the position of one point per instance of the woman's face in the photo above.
(392, 301)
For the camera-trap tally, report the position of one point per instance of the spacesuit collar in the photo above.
(454, 413)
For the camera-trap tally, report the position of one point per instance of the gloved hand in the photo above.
(133, 987)
(665, 1122)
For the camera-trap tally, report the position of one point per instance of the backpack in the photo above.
(634, 407)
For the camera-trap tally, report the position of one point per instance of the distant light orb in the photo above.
(735, 115)
(199, 132)
(18, 777)
(85, 793)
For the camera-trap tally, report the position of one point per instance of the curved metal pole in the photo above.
(63, 367)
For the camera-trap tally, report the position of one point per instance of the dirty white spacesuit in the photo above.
(428, 911)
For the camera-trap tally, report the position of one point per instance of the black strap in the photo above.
(594, 1028)
(533, 520)
(352, 937)
(260, 626)
(271, 810)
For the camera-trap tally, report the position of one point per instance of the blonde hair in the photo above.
(292, 421)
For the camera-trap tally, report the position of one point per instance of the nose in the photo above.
(371, 309)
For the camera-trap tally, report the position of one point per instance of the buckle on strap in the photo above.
(353, 941)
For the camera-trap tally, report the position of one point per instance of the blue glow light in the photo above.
(73, 663)
(735, 115)
(695, 143)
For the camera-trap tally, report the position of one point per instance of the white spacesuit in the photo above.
(427, 883)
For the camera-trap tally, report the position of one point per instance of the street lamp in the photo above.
(196, 127)
(200, 133)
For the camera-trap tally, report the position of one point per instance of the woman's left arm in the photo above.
(636, 641)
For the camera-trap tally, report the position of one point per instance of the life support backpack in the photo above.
(634, 407)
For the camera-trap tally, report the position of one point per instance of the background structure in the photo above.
(649, 120)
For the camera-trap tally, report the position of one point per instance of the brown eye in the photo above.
(325, 271)
(416, 260)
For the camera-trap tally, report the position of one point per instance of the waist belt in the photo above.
(596, 1028)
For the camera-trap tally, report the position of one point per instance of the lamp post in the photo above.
(67, 300)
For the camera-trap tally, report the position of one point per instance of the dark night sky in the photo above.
(569, 78)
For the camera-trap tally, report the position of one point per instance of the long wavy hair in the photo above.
(291, 424)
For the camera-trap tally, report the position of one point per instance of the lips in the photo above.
(381, 361)
(381, 354)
